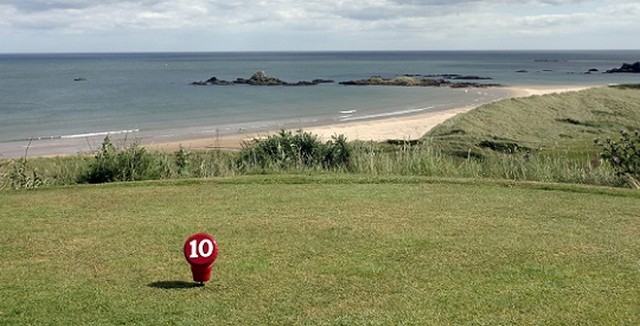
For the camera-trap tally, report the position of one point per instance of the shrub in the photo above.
(503, 146)
(623, 155)
(286, 150)
(132, 163)
(337, 153)
(182, 161)
(22, 177)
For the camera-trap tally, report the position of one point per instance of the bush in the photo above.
(182, 161)
(624, 156)
(22, 177)
(337, 153)
(286, 150)
(132, 163)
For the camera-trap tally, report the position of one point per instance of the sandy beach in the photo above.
(406, 127)
(402, 128)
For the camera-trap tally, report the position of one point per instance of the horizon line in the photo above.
(310, 51)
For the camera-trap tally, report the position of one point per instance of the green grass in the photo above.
(322, 250)
(556, 124)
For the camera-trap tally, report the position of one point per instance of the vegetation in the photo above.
(322, 250)
(132, 163)
(557, 128)
(286, 150)
(496, 141)
(550, 124)
(376, 159)
(22, 176)
(624, 155)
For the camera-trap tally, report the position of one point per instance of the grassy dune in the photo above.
(324, 250)
(566, 123)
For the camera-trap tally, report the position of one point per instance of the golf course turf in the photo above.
(322, 250)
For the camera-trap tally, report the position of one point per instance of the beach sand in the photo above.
(407, 127)
(399, 128)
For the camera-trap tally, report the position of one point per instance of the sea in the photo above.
(67, 103)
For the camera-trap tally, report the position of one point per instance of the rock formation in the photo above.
(459, 77)
(412, 81)
(260, 78)
(211, 81)
(626, 68)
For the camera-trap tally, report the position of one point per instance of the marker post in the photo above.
(201, 250)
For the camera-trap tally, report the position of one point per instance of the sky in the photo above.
(313, 25)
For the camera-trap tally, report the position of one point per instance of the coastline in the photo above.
(407, 127)
(404, 127)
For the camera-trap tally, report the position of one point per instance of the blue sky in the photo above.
(312, 25)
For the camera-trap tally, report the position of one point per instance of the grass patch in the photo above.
(323, 250)
(547, 124)
(627, 86)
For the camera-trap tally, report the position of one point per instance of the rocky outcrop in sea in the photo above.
(633, 68)
(260, 78)
(413, 82)
(459, 77)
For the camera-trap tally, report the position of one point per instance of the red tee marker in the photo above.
(201, 250)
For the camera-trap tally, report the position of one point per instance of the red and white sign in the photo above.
(201, 250)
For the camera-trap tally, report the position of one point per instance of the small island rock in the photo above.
(633, 68)
(412, 81)
(260, 78)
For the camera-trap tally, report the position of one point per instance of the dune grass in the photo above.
(322, 250)
(563, 124)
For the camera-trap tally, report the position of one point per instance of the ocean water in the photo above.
(148, 96)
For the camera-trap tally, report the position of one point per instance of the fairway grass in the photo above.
(323, 250)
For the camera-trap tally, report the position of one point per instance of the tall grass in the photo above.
(367, 158)
(428, 160)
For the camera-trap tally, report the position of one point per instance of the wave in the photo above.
(386, 114)
(102, 133)
(74, 136)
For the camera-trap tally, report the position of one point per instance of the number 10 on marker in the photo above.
(201, 250)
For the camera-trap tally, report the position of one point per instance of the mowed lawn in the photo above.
(322, 251)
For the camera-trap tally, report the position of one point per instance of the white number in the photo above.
(200, 252)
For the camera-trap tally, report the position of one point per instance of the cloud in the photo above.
(178, 13)
(88, 15)
(30, 6)
(379, 22)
